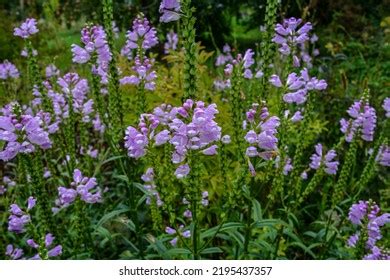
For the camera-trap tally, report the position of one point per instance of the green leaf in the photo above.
(212, 250)
(111, 215)
(226, 227)
(257, 212)
(178, 251)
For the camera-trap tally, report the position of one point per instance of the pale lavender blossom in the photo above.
(318, 160)
(52, 71)
(53, 251)
(288, 35)
(182, 171)
(24, 133)
(383, 157)
(298, 86)
(81, 187)
(261, 132)
(144, 74)
(365, 214)
(171, 43)
(142, 35)
(386, 106)
(27, 28)
(8, 71)
(151, 188)
(170, 10)
(362, 122)
(14, 253)
(19, 218)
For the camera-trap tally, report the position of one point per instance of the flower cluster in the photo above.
(182, 232)
(19, 218)
(83, 187)
(298, 86)
(23, 133)
(145, 75)
(141, 36)
(51, 71)
(204, 202)
(288, 36)
(386, 106)
(261, 132)
(52, 251)
(170, 10)
(225, 56)
(28, 28)
(171, 43)
(151, 188)
(95, 43)
(366, 215)
(383, 157)
(191, 127)
(242, 63)
(317, 160)
(14, 253)
(363, 120)
(75, 89)
(8, 71)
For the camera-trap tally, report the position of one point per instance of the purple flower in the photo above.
(51, 71)
(261, 132)
(287, 166)
(383, 157)
(28, 28)
(353, 240)
(248, 59)
(8, 71)
(224, 57)
(182, 171)
(148, 176)
(318, 159)
(187, 214)
(186, 234)
(13, 253)
(73, 89)
(357, 212)
(18, 218)
(298, 86)
(83, 187)
(23, 133)
(170, 10)
(95, 43)
(170, 231)
(144, 74)
(386, 106)
(31, 203)
(171, 43)
(135, 142)
(363, 121)
(142, 36)
(275, 81)
(366, 215)
(288, 36)
(52, 251)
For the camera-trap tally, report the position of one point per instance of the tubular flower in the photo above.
(142, 36)
(363, 121)
(317, 159)
(27, 28)
(170, 10)
(366, 215)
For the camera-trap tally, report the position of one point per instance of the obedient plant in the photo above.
(177, 186)
(365, 215)
(8, 71)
